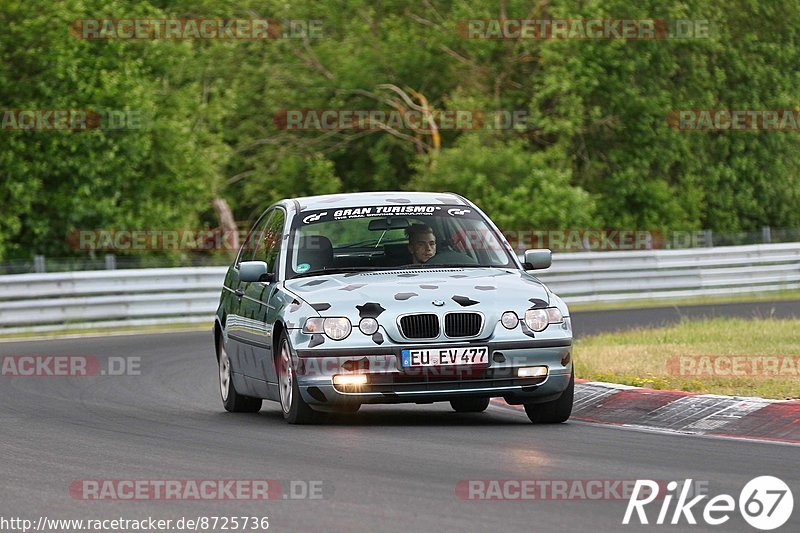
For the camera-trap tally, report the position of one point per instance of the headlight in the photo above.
(368, 326)
(538, 319)
(509, 319)
(337, 328)
(554, 316)
(314, 325)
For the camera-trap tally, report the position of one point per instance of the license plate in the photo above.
(477, 355)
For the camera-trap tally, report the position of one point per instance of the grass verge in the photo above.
(117, 330)
(737, 357)
(681, 302)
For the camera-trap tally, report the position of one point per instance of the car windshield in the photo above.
(387, 237)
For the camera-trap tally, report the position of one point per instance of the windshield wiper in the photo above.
(338, 270)
(446, 265)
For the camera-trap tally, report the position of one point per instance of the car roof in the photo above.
(358, 199)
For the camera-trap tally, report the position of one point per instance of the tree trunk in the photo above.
(227, 225)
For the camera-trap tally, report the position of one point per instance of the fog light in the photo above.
(532, 372)
(350, 379)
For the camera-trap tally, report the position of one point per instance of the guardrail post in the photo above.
(38, 264)
(708, 238)
(111, 262)
(766, 234)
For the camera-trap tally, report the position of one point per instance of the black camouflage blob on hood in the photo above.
(353, 286)
(463, 301)
(537, 303)
(401, 296)
(370, 310)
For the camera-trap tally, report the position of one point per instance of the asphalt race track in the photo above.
(593, 322)
(387, 468)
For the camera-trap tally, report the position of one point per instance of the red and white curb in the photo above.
(686, 412)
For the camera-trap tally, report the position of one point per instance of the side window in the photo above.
(250, 245)
(271, 240)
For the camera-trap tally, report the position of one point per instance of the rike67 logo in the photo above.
(765, 503)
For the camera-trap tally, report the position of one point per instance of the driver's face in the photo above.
(423, 247)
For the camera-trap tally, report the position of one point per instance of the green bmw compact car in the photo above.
(342, 300)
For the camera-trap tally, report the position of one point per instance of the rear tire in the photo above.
(231, 399)
(469, 405)
(295, 409)
(556, 411)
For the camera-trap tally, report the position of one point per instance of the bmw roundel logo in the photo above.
(438, 303)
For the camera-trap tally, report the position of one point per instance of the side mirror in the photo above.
(538, 259)
(250, 271)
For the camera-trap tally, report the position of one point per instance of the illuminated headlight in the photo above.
(536, 319)
(368, 326)
(337, 328)
(509, 319)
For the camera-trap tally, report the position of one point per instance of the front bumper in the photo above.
(389, 382)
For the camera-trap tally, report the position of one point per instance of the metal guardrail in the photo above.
(616, 276)
(38, 302)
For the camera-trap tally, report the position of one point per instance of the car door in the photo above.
(256, 309)
(238, 327)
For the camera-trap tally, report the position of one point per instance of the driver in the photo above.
(421, 242)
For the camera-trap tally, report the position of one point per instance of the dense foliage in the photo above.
(595, 150)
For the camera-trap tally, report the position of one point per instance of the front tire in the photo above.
(231, 399)
(556, 411)
(295, 409)
(469, 405)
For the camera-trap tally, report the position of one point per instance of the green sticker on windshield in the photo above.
(302, 267)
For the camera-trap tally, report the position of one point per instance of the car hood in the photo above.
(388, 294)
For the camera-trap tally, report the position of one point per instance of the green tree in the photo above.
(160, 174)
